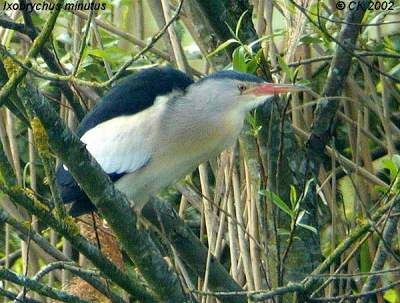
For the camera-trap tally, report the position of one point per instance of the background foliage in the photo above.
(303, 208)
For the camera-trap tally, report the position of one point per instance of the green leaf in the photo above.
(255, 62)
(222, 46)
(396, 160)
(239, 59)
(392, 296)
(304, 82)
(252, 66)
(391, 166)
(365, 258)
(293, 196)
(283, 232)
(239, 24)
(307, 188)
(231, 31)
(396, 42)
(252, 120)
(395, 71)
(275, 34)
(285, 67)
(308, 227)
(279, 202)
(309, 39)
(112, 54)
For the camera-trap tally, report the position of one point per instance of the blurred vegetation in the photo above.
(269, 212)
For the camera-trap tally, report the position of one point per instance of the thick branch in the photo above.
(340, 66)
(224, 13)
(279, 291)
(13, 103)
(6, 22)
(256, 295)
(190, 249)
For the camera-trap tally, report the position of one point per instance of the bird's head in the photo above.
(240, 92)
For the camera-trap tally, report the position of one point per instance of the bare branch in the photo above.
(40, 288)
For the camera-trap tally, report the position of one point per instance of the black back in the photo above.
(231, 74)
(132, 95)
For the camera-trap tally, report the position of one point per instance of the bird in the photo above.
(158, 125)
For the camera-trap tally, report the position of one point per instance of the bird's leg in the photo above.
(137, 208)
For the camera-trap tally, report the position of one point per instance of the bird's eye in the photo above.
(242, 87)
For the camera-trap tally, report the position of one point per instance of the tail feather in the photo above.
(81, 206)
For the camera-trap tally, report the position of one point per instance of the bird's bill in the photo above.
(265, 89)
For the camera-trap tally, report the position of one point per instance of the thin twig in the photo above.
(83, 43)
(329, 57)
(40, 288)
(361, 295)
(91, 277)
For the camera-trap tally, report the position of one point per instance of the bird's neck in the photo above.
(197, 126)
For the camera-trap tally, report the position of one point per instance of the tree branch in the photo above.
(189, 248)
(23, 232)
(6, 22)
(255, 295)
(340, 66)
(389, 232)
(13, 296)
(313, 280)
(87, 275)
(40, 288)
(350, 298)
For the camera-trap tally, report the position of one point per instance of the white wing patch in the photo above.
(163, 99)
(122, 144)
